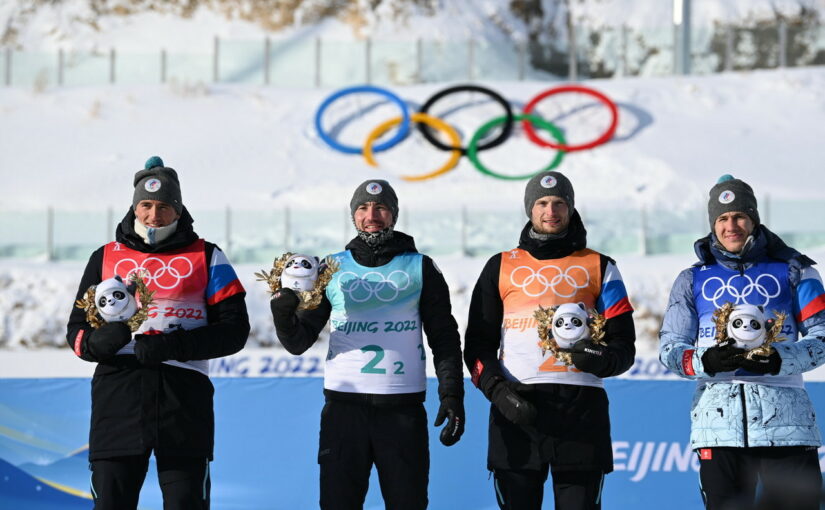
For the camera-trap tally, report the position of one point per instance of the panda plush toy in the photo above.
(570, 324)
(115, 301)
(300, 273)
(747, 326)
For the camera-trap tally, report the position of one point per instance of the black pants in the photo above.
(356, 436)
(523, 489)
(184, 482)
(789, 476)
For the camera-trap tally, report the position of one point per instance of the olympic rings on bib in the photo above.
(429, 123)
(348, 149)
(505, 131)
(607, 135)
(472, 148)
(422, 119)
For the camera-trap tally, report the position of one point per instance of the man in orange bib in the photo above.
(547, 415)
(151, 390)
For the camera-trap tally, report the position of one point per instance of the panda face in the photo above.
(746, 326)
(114, 301)
(300, 273)
(569, 325)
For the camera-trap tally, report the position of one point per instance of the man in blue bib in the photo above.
(751, 418)
(380, 301)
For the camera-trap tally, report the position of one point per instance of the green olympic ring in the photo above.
(472, 147)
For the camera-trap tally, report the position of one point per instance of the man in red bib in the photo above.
(151, 389)
(547, 415)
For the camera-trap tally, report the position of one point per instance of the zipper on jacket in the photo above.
(744, 414)
(741, 267)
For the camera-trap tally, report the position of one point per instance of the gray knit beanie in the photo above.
(549, 183)
(378, 191)
(730, 194)
(157, 182)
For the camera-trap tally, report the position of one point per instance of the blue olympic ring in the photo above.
(349, 149)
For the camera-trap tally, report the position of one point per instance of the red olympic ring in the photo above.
(530, 131)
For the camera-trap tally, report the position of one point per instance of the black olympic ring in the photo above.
(498, 140)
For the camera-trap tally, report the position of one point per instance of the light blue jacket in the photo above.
(746, 414)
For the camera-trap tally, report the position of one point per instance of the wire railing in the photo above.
(315, 62)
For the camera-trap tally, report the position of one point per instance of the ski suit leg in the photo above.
(344, 455)
(116, 482)
(728, 478)
(184, 482)
(578, 490)
(520, 489)
(790, 478)
(402, 456)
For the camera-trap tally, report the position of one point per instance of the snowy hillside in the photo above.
(177, 24)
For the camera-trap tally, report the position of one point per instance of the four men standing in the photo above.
(751, 415)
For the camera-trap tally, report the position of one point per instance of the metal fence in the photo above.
(315, 62)
(259, 236)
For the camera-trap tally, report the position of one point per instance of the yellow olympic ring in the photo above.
(423, 118)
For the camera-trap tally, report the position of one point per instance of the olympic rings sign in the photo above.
(427, 123)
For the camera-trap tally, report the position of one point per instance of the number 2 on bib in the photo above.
(369, 368)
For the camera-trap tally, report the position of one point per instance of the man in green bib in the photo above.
(380, 303)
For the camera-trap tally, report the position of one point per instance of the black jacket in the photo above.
(572, 430)
(437, 320)
(136, 408)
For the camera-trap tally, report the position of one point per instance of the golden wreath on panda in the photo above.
(561, 326)
(748, 327)
(304, 274)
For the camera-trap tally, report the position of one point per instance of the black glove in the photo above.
(723, 357)
(762, 364)
(155, 349)
(505, 395)
(283, 305)
(105, 341)
(590, 357)
(452, 410)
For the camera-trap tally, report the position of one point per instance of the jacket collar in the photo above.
(184, 235)
(573, 241)
(366, 256)
(761, 244)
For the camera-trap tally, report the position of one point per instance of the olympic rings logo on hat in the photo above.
(385, 289)
(564, 280)
(153, 270)
(428, 123)
(152, 185)
(740, 294)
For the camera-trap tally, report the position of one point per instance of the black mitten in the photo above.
(283, 304)
(722, 358)
(452, 410)
(507, 397)
(762, 364)
(105, 341)
(590, 357)
(155, 349)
